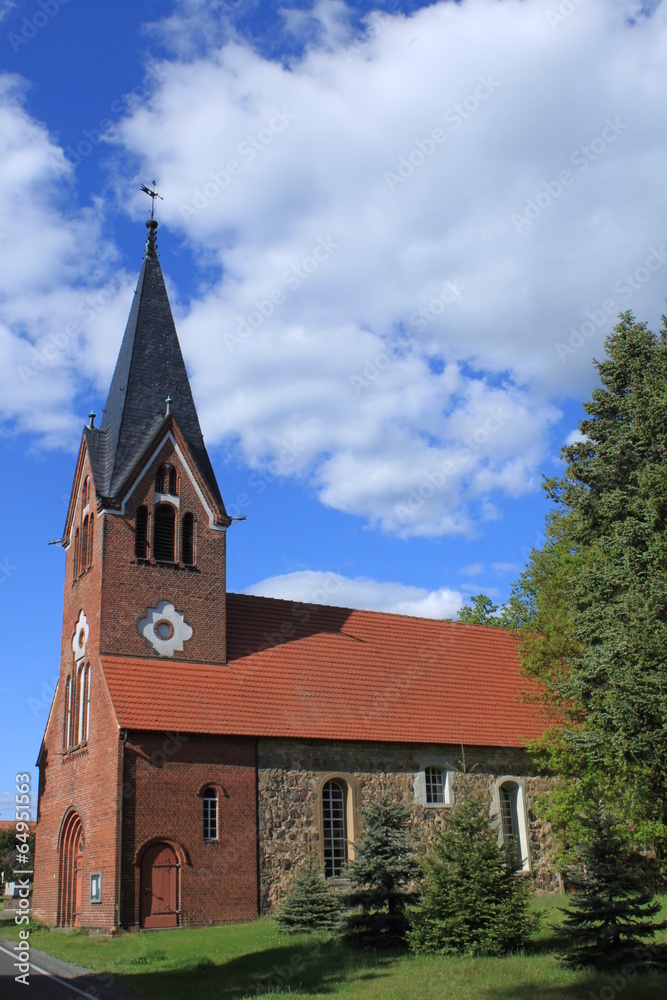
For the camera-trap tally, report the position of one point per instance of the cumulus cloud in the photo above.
(315, 587)
(420, 234)
(408, 225)
(62, 298)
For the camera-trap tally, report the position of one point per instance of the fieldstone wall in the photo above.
(291, 772)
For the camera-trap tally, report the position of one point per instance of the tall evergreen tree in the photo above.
(309, 904)
(594, 601)
(382, 875)
(473, 900)
(611, 915)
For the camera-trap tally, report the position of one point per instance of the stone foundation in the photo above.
(290, 775)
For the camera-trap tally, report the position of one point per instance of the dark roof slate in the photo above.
(149, 368)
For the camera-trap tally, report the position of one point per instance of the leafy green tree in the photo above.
(592, 605)
(309, 905)
(382, 874)
(473, 900)
(611, 915)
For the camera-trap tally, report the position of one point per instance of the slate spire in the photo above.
(149, 369)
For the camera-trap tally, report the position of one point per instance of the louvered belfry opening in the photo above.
(188, 539)
(141, 533)
(165, 524)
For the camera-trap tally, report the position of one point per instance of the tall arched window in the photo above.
(435, 785)
(511, 806)
(172, 481)
(165, 528)
(85, 493)
(84, 545)
(68, 713)
(159, 479)
(91, 528)
(188, 539)
(508, 815)
(75, 561)
(334, 822)
(141, 533)
(210, 798)
(83, 702)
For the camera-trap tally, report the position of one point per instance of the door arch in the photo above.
(70, 871)
(160, 874)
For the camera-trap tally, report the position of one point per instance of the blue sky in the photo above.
(394, 236)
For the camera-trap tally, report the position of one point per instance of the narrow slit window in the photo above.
(334, 796)
(68, 713)
(141, 533)
(75, 562)
(210, 798)
(188, 539)
(172, 482)
(84, 545)
(165, 526)
(91, 528)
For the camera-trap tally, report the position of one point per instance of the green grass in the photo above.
(244, 960)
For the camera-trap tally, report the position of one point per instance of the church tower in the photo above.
(144, 578)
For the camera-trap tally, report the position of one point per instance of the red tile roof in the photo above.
(316, 672)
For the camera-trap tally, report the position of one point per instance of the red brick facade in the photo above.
(149, 783)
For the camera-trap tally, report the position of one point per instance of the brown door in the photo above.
(159, 887)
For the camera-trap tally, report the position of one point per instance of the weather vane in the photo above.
(152, 195)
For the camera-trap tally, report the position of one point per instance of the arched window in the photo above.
(334, 822)
(159, 479)
(435, 785)
(83, 702)
(84, 545)
(172, 481)
(68, 713)
(141, 533)
(165, 527)
(85, 492)
(91, 526)
(75, 562)
(510, 805)
(210, 798)
(188, 539)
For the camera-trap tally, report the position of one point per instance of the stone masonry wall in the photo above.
(290, 774)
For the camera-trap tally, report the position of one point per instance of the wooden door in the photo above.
(159, 887)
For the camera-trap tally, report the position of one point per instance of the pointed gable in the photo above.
(150, 367)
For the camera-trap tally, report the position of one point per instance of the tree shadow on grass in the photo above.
(590, 986)
(312, 967)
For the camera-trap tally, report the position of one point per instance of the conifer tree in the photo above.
(382, 874)
(610, 917)
(309, 905)
(473, 900)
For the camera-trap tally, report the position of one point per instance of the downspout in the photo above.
(123, 741)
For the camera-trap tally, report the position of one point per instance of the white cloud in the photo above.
(62, 302)
(474, 569)
(316, 587)
(390, 325)
(575, 437)
(8, 805)
(505, 567)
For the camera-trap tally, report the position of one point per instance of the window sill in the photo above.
(70, 752)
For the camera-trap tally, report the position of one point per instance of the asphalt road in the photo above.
(43, 985)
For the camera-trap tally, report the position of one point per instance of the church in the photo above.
(200, 741)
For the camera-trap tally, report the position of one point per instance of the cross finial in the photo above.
(152, 194)
(168, 401)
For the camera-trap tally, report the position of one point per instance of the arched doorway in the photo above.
(71, 871)
(159, 886)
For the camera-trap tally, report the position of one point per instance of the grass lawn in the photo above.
(244, 960)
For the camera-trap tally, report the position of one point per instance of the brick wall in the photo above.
(164, 777)
(131, 586)
(86, 779)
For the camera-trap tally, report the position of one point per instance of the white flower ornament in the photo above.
(165, 629)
